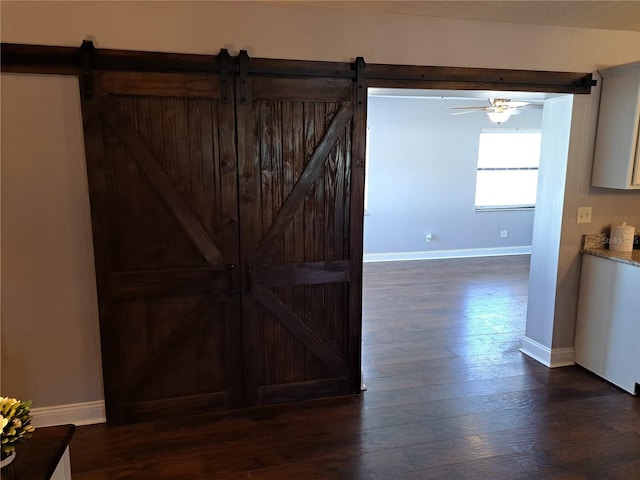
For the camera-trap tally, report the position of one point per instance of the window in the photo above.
(507, 174)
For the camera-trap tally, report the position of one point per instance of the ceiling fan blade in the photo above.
(516, 104)
(466, 111)
(472, 108)
(498, 105)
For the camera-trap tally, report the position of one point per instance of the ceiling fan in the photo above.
(499, 109)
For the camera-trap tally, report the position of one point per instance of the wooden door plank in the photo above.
(128, 285)
(297, 327)
(312, 134)
(149, 164)
(356, 236)
(159, 84)
(302, 89)
(306, 181)
(98, 178)
(150, 410)
(337, 303)
(304, 273)
(287, 295)
(317, 315)
(286, 392)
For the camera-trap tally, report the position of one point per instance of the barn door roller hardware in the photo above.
(361, 88)
(44, 59)
(225, 84)
(88, 52)
(243, 63)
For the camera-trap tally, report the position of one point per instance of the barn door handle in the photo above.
(232, 274)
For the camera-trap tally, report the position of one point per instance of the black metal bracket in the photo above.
(224, 59)
(361, 90)
(87, 51)
(243, 59)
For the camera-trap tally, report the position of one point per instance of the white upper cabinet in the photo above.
(616, 162)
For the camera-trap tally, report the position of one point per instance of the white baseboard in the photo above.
(558, 357)
(440, 254)
(86, 413)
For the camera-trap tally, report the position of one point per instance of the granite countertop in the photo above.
(597, 244)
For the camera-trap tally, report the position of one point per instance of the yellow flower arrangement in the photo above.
(16, 423)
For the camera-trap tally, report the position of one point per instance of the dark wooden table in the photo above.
(38, 457)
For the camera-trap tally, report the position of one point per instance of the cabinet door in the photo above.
(162, 175)
(607, 328)
(616, 158)
(298, 182)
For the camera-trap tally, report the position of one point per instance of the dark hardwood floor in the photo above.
(449, 397)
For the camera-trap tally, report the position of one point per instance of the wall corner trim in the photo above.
(552, 358)
(87, 413)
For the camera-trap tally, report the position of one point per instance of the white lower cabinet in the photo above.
(608, 323)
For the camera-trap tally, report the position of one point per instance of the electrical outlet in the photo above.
(584, 215)
(428, 238)
(504, 233)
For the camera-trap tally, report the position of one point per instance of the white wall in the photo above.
(50, 338)
(40, 153)
(422, 178)
(543, 281)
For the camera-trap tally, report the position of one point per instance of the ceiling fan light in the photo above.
(499, 117)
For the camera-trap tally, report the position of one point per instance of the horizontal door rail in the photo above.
(44, 59)
(462, 78)
(20, 58)
(304, 273)
(132, 285)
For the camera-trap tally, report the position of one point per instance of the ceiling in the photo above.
(475, 97)
(609, 15)
(472, 95)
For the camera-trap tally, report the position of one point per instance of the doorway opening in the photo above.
(422, 211)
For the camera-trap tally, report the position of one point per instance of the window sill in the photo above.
(505, 209)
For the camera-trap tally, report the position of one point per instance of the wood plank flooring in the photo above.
(449, 397)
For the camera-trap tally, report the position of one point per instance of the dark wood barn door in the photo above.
(162, 173)
(223, 217)
(295, 167)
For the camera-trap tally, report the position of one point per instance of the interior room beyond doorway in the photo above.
(421, 182)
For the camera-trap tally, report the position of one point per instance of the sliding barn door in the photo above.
(300, 303)
(227, 223)
(163, 182)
